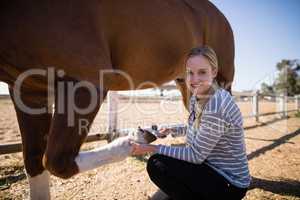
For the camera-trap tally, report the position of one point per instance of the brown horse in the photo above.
(106, 44)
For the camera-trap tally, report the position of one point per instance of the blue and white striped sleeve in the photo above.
(210, 131)
(179, 130)
(212, 126)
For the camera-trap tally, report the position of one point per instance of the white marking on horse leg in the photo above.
(115, 151)
(39, 186)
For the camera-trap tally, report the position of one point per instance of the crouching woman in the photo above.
(213, 163)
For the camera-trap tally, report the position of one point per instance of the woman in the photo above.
(213, 164)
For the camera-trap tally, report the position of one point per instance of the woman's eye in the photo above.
(202, 72)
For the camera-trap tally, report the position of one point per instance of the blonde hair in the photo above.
(206, 52)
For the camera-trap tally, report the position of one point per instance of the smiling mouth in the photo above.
(195, 85)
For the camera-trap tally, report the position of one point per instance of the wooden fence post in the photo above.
(282, 105)
(255, 108)
(297, 102)
(112, 99)
(285, 105)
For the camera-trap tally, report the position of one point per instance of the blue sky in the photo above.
(265, 31)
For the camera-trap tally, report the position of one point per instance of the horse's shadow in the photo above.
(283, 187)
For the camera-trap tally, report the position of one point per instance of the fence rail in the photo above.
(281, 104)
(113, 98)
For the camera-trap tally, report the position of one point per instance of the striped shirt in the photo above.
(219, 140)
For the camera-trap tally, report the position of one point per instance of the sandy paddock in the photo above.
(273, 148)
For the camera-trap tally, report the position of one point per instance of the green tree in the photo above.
(288, 80)
(267, 89)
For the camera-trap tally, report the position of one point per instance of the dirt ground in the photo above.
(273, 148)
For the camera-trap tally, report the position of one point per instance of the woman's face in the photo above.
(199, 75)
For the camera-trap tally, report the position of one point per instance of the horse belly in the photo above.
(152, 47)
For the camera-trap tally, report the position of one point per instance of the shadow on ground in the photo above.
(10, 175)
(275, 144)
(283, 186)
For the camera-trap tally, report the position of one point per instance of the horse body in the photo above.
(82, 38)
(144, 40)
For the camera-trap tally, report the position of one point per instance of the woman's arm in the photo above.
(175, 130)
(209, 133)
(142, 149)
(211, 129)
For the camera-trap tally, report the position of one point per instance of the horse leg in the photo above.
(34, 129)
(186, 94)
(226, 70)
(62, 157)
(65, 137)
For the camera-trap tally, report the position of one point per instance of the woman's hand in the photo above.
(142, 149)
(163, 132)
